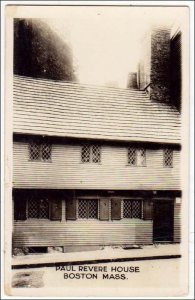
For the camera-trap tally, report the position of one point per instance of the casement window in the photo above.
(168, 158)
(37, 208)
(40, 151)
(87, 208)
(136, 157)
(132, 209)
(91, 153)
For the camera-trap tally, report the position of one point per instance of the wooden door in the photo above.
(163, 221)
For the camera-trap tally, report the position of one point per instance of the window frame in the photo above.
(40, 144)
(91, 153)
(38, 218)
(136, 149)
(167, 151)
(87, 199)
(131, 200)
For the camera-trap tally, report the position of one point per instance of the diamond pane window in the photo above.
(87, 209)
(38, 209)
(132, 209)
(38, 151)
(92, 209)
(85, 154)
(136, 157)
(44, 209)
(168, 158)
(141, 157)
(136, 209)
(82, 209)
(127, 209)
(46, 151)
(33, 208)
(96, 154)
(91, 153)
(34, 151)
(132, 156)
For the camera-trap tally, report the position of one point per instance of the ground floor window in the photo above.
(38, 208)
(132, 208)
(103, 209)
(87, 209)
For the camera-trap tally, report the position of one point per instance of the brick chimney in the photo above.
(154, 66)
(160, 65)
(132, 81)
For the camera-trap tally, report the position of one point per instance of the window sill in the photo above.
(133, 166)
(40, 161)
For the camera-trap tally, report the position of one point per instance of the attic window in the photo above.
(136, 157)
(168, 158)
(40, 151)
(91, 153)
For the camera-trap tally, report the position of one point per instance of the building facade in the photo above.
(93, 167)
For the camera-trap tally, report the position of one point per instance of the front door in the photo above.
(163, 221)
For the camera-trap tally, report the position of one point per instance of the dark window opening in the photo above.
(38, 208)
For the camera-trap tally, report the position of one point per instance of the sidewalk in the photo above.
(108, 254)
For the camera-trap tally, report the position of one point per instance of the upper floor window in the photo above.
(136, 157)
(168, 158)
(91, 153)
(40, 151)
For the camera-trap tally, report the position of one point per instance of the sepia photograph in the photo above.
(96, 132)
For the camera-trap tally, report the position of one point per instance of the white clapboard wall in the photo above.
(66, 171)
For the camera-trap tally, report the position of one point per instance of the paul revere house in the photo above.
(99, 166)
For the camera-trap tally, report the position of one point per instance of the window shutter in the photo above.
(19, 208)
(147, 209)
(56, 210)
(71, 209)
(116, 209)
(104, 209)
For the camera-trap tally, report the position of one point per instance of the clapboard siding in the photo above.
(81, 232)
(177, 222)
(66, 171)
(82, 111)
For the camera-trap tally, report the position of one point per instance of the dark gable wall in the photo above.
(40, 53)
(176, 64)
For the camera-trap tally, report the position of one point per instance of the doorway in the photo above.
(163, 221)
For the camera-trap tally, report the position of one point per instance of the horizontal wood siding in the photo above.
(65, 171)
(177, 222)
(81, 232)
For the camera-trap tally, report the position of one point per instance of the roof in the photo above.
(68, 109)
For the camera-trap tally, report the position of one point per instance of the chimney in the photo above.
(154, 65)
(160, 65)
(132, 81)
